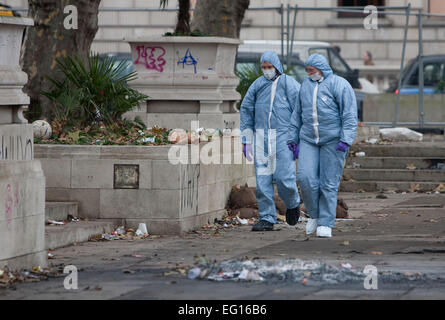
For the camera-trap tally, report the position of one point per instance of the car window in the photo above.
(322, 51)
(336, 63)
(299, 73)
(433, 74)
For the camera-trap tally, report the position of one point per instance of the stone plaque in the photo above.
(126, 176)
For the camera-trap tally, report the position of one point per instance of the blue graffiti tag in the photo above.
(188, 60)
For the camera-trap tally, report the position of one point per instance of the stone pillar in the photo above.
(187, 79)
(22, 183)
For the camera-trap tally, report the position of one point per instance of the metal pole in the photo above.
(293, 33)
(282, 32)
(402, 64)
(421, 76)
(287, 35)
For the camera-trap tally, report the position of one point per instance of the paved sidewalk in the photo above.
(404, 233)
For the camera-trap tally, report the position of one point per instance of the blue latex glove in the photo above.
(343, 147)
(295, 148)
(248, 152)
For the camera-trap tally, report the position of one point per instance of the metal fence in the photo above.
(288, 26)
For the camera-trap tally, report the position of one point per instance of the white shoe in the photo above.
(324, 232)
(311, 226)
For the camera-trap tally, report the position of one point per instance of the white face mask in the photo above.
(316, 76)
(269, 74)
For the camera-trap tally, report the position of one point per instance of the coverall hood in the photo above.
(319, 61)
(272, 58)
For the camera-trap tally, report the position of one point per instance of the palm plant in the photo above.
(247, 75)
(97, 93)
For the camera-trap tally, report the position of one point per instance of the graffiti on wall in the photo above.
(189, 186)
(16, 148)
(11, 201)
(151, 57)
(188, 60)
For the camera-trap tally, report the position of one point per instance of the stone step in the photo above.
(76, 232)
(401, 150)
(59, 211)
(395, 175)
(375, 186)
(394, 162)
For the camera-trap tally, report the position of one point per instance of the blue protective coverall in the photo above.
(265, 125)
(326, 114)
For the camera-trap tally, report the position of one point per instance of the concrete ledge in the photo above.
(169, 197)
(60, 210)
(75, 232)
(375, 186)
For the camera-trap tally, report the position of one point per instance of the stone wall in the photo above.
(22, 218)
(381, 108)
(169, 198)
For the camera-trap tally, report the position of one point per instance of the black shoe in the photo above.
(262, 226)
(292, 216)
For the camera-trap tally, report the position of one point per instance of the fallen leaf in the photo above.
(376, 253)
(411, 166)
(404, 212)
(414, 187)
(345, 243)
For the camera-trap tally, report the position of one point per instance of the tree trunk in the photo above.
(49, 39)
(183, 25)
(220, 18)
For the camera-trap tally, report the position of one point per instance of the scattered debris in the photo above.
(381, 196)
(360, 154)
(142, 230)
(372, 141)
(8, 278)
(194, 273)
(414, 188)
(122, 234)
(401, 134)
(56, 223)
(411, 166)
(440, 188)
(243, 222)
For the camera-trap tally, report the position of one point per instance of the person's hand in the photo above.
(343, 147)
(248, 152)
(295, 148)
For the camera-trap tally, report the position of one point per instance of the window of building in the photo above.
(437, 6)
(357, 3)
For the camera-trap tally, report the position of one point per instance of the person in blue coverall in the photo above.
(323, 127)
(265, 115)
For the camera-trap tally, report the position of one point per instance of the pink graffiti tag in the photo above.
(153, 60)
(8, 205)
(16, 195)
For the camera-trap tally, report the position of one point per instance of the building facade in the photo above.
(339, 28)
